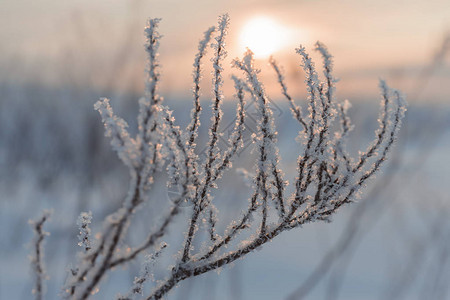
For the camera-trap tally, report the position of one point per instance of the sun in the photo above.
(263, 36)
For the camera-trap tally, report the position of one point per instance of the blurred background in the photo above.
(58, 57)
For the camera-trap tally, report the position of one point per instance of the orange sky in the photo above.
(369, 38)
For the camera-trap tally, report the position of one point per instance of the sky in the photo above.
(75, 41)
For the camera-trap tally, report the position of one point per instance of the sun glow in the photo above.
(264, 36)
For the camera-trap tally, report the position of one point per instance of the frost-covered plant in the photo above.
(327, 177)
(37, 256)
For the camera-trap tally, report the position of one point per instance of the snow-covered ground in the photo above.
(394, 243)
